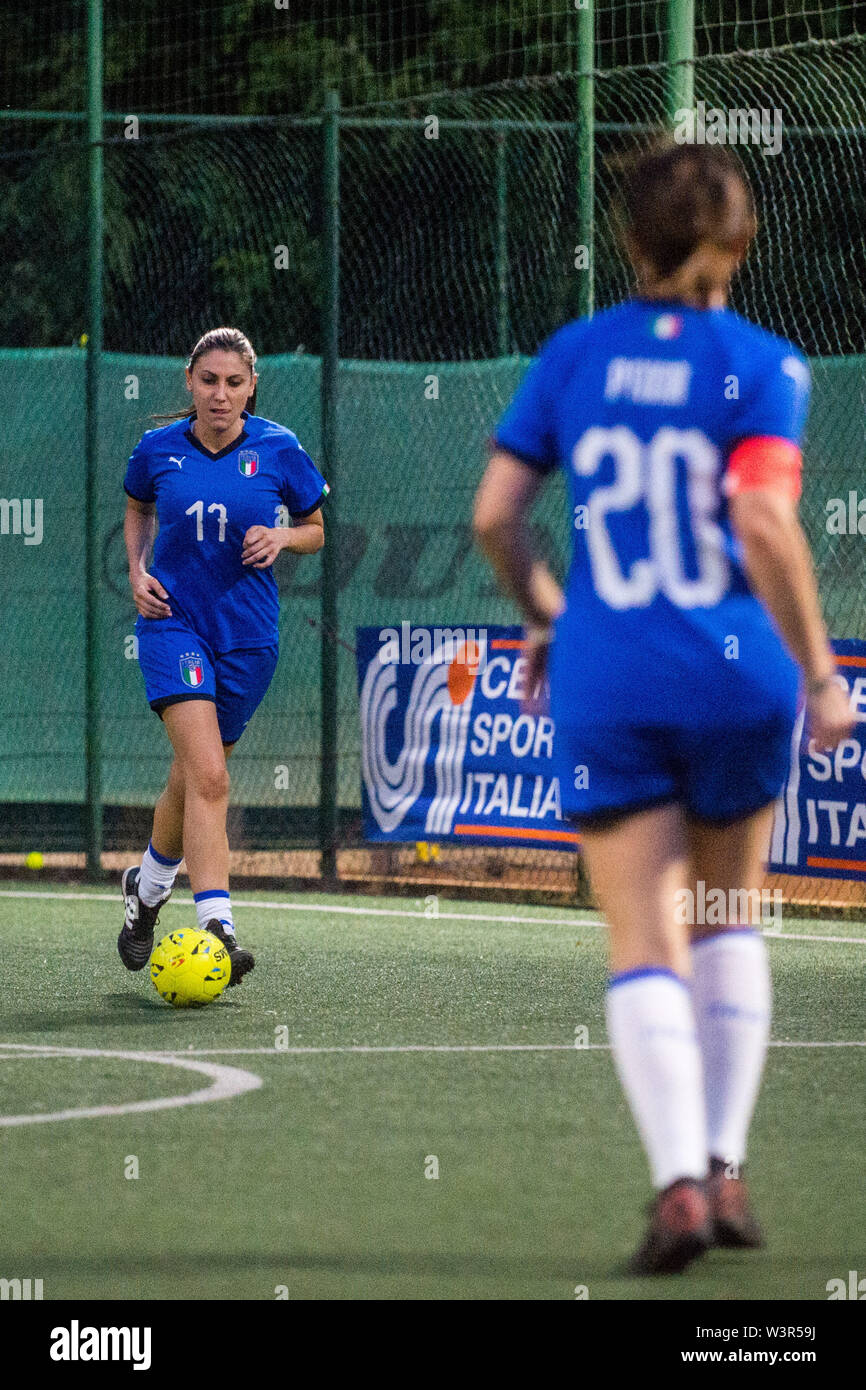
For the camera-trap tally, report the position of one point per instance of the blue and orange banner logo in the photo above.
(447, 752)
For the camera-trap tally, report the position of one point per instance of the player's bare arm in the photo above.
(505, 497)
(139, 529)
(502, 505)
(779, 565)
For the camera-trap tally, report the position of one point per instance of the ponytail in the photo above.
(679, 206)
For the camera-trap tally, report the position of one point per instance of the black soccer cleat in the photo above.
(242, 961)
(735, 1226)
(135, 943)
(680, 1230)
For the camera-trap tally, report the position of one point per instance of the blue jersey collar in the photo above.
(229, 449)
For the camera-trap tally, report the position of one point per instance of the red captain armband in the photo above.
(767, 461)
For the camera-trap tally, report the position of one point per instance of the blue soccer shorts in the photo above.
(178, 665)
(718, 774)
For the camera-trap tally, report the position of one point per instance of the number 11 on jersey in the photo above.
(197, 510)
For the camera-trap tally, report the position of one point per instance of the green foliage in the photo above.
(192, 217)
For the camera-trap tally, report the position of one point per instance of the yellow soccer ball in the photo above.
(190, 968)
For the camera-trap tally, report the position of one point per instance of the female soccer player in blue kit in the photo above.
(690, 605)
(218, 481)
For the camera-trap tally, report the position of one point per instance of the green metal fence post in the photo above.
(586, 154)
(93, 684)
(329, 390)
(503, 328)
(680, 55)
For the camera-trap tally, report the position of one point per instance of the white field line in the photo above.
(341, 910)
(225, 1083)
(440, 1047)
(234, 1081)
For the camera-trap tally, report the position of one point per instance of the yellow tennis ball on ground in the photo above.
(190, 968)
(35, 860)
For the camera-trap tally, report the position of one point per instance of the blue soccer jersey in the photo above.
(644, 405)
(205, 504)
(669, 680)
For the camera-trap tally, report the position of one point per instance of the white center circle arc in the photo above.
(225, 1081)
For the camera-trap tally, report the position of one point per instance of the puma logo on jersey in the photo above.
(179, 462)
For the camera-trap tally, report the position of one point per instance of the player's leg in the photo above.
(200, 757)
(153, 883)
(175, 663)
(732, 998)
(147, 886)
(637, 864)
(162, 858)
(241, 683)
(201, 765)
(167, 834)
(734, 776)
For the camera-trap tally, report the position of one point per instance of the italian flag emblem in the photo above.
(191, 671)
(667, 326)
(248, 463)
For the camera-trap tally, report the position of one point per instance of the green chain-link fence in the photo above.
(462, 218)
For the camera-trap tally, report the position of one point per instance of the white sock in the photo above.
(651, 1026)
(214, 903)
(732, 997)
(156, 875)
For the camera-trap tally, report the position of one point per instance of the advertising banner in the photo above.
(446, 752)
(820, 823)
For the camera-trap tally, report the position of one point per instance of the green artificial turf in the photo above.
(316, 1181)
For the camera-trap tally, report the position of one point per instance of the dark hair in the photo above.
(221, 340)
(673, 199)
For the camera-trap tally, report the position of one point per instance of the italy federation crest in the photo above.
(248, 462)
(191, 671)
